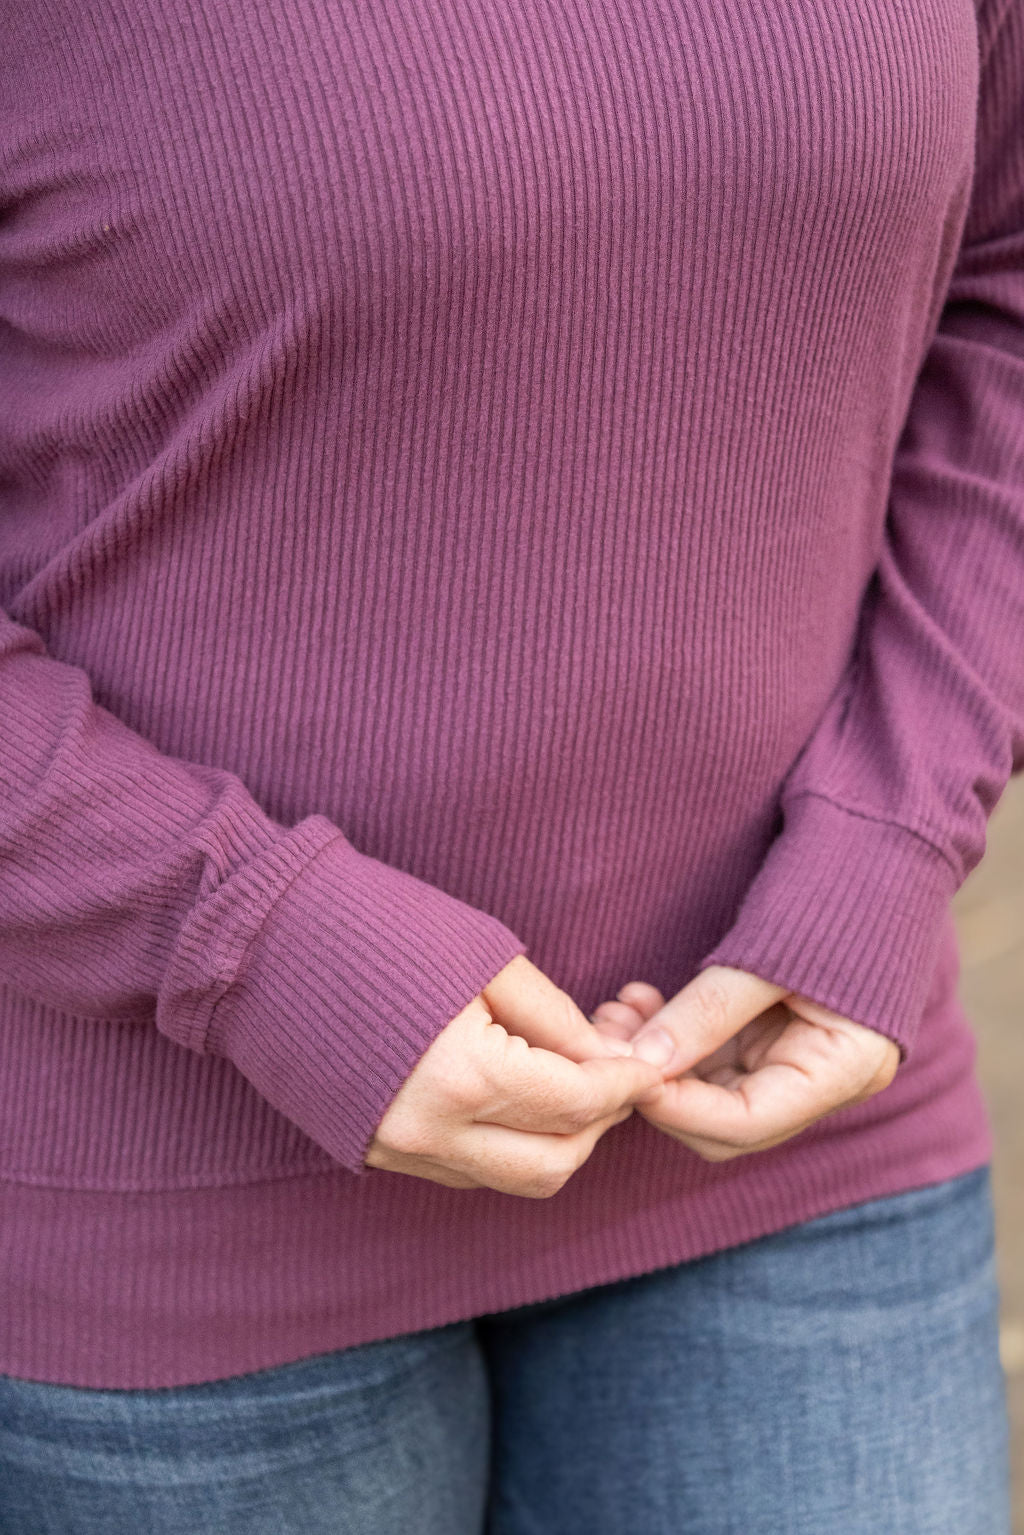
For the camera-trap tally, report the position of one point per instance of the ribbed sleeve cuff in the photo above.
(355, 967)
(848, 911)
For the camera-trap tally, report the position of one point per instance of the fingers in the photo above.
(538, 1090)
(528, 1004)
(509, 1161)
(773, 1101)
(483, 1107)
(530, 1165)
(628, 1011)
(699, 1019)
(621, 1024)
(642, 996)
(807, 1072)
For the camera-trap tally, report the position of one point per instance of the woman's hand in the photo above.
(513, 1094)
(746, 1064)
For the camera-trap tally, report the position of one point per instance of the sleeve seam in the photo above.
(879, 820)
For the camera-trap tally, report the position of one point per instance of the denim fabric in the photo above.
(841, 1377)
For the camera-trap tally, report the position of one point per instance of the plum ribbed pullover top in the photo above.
(479, 477)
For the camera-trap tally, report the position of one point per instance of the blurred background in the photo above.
(989, 910)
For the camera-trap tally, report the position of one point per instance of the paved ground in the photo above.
(990, 920)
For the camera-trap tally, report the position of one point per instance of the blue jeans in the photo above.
(841, 1377)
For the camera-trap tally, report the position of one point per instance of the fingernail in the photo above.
(617, 1046)
(655, 1046)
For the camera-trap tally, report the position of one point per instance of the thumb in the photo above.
(527, 1002)
(710, 1009)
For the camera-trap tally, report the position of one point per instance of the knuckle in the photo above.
(515, 1052)
(499, 1059)
(711, 1002)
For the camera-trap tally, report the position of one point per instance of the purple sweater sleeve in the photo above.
(135, 885)
(884, 811)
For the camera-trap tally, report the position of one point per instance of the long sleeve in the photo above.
(134, 885)
(883, 813)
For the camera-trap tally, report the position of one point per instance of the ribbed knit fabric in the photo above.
(479, 478)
